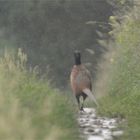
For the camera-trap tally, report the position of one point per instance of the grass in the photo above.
(123, 98)
(30, 109)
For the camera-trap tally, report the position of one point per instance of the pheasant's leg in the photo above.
(84, 97)
(78, 101)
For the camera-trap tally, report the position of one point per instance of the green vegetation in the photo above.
(30, 109)
(50, 30)
(123, 97)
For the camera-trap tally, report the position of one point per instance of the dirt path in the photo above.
(93, 127)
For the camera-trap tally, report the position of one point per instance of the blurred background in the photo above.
(49, 31)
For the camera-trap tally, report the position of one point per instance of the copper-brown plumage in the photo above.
(80, 79)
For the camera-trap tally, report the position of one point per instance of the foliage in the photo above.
(124, 90)
(50, 30)
(30, 109)
(121, 6)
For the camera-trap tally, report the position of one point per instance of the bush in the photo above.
(30, 109)
(124, 90)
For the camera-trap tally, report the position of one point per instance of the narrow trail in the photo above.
(93, 127)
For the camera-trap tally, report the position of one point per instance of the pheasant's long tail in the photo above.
(90, 95)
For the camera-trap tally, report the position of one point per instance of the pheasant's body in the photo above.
(81, 81)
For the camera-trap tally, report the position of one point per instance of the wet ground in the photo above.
(93, 127)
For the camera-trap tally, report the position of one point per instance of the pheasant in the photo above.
(80, 80)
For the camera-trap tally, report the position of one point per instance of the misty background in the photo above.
(49, 31)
